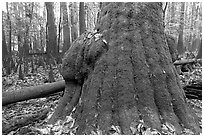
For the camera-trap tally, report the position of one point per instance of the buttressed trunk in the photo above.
(126, 76)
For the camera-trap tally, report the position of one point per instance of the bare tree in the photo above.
(51, 31)
(180, 45)
(66, 28)
(74, 21)
(5, 54)
(82, 24)
(9, 41)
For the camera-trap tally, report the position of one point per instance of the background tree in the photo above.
(126, 76)
(9, 41)
(28, 14)
(74, 20)
(51, 32)
(91, 10)
(66, 28)
(199, 55)
(82, 24)
(59, 35)
(5, 54)
(195, 23)
(172, 12)
(180, 45)
(51, 43)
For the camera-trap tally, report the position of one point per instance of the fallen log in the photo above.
(32, 92)
(193, 91)
(23, 120)
(186, 61)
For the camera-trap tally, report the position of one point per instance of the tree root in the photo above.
(66, 103)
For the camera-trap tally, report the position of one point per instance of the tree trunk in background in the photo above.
(172, 12)
(9, 42)
(51, 43)
(20, 72)
(52, 51)
(74, 21)
(27, 42)
(66, 28)
(199, 55)
(172, 47)
(51, 77)
(5, 54)
(124, 77)
(20, 50)
(82, 24)
(59, 37)
(192, 35)
(98, 15)
(26, 50)
(195, 44)
(180, 45)
(91, 9)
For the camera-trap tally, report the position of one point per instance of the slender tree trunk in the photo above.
(199, 55)
(66, 28)
(51, 32)
(20, 72)
(82, 24)
(4, 52)
(59, 37)
(51, 40)
(124, 76)
(172, 47)
(26, 50)
(74, 21)
(192, 36)
(21, 52)
(9, 42)
(172, 12)
(180, 45)
(29, 15)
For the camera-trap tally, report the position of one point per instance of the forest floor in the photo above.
(11, 113)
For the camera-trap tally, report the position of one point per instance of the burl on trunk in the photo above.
(123, 74)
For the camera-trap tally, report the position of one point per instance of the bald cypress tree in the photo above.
(123, 76)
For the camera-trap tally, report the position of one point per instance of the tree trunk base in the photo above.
(126, 74)
(66, 103)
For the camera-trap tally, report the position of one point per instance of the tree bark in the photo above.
(51, 32)
(28, 14)
(195, 44)
(5, 54)
(9, 42)
(172, 47)
(199, 55)
(66, 28)
(74, 21)
(32, 92)
(172, 12)
(125, 74)
(82, 24)
(180, 45)
(59, 37)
